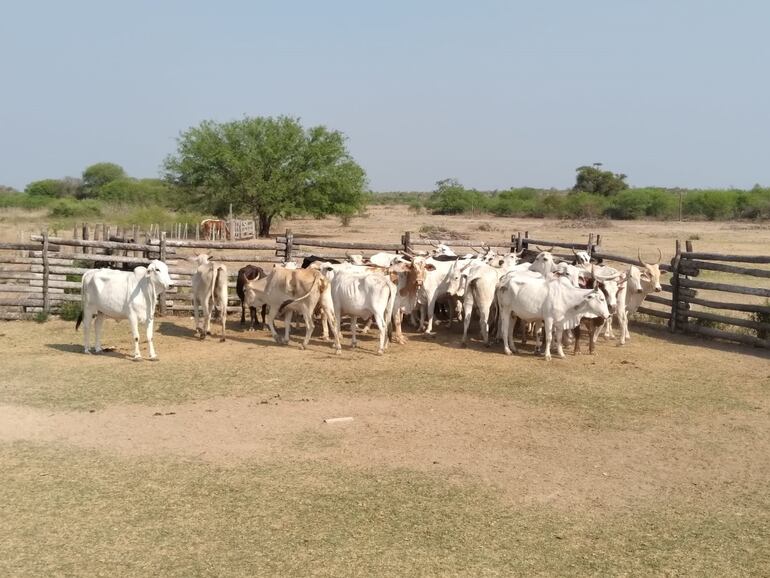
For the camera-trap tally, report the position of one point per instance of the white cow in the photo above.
(209, 290)
(555, 302)
(362, 294)
(128, 295)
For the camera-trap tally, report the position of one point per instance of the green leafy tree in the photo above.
(44, 188)
(268, 167)
(98, 175)
(594, 180)
(451, 198)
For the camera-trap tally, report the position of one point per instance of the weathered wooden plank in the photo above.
(654, 312)
(745, 307)
(545, 244)
(56, 284)
(729, 258)
(628, 260)
(750, 323)
(726, 287)
(728, 335)
(658, 299)
(245, 245)
(729, 268)
(103, 244)
(33, 261)
(346, 244)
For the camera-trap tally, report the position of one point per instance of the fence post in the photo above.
(590, 245)
(85, 236)
(289, 245)
(524, 241)
(406, 241)
(46, 299)
(163, 258)
(674, 321)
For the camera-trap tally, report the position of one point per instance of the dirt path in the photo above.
(530, 455)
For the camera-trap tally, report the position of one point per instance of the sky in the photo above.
(495, 94)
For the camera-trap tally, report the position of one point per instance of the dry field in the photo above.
(649, 459)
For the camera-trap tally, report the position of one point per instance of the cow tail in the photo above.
(79, 320)
(391, 304)
(288, 302)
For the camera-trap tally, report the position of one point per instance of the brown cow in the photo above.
(285, 291)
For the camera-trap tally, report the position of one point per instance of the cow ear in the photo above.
(393, 276)
(430, 267)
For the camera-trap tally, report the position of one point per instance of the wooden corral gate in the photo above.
(42, 274)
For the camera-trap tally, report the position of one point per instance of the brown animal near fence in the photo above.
(213, 229)
(36, 279)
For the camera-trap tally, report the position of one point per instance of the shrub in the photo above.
(584, 206)
(711, 204)
(69, 310)
(451, 198)
(523, 202)
(66, 208)
(41, 317)
(135, 191)
(638, 203)
(24, 201)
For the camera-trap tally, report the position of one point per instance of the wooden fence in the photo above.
(42, 274)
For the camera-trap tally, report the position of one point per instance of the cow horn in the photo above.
(660, 256)
(432, 243)
(639, 253)
(475, 250)
(550, 250)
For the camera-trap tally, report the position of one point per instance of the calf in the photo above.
(122, 295)
(246, 274)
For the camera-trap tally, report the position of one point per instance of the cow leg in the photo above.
(559, 331)
(576, 333)
(548, 336)
(271, 326)
(134, 323)
(253, 317)
(149, 332)
(287, 319)
(307, 313)
(467, 315)
(243, 312)
(353, 327)
(195, 305)
(397, 336)
(325, 325)
(624, 334)
(484, 321)
(98, 323)
(87, 318)
(383, 327)
(431, 311)
(223, 315)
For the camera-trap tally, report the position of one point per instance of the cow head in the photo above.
(543, 263)
(651, 271)
(608, 280)
(634, 280)
(507, 261)
(442, 249)
(582, 258)
(158, 273)
(199, 259)
(594, 303)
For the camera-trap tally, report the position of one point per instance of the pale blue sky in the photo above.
(493, 93)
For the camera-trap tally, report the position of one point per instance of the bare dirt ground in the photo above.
(615, 429)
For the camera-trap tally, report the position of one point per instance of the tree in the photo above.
(98, 175)
(268, 167)
(594, 180)
(44, 188)
(451, 198)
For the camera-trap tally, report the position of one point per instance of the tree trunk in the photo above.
(264, 224)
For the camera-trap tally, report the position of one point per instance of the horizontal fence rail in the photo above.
(42, 273)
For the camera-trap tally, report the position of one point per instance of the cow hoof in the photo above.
(98, 351)
(136, 358)
(380, 352)
(154, 358)
(302, 346)
(338, 352)
(463, 345)
(87, 351)
(508, 352)
(222, 340)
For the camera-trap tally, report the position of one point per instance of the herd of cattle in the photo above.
(535, 291)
